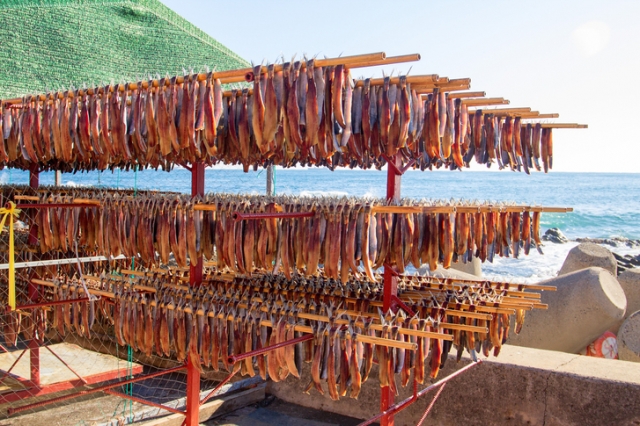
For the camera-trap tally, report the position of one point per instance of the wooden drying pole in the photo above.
(467, 95)
(236, 284)
(303, 315)
(502, 111)
(232, 76)
(564, 126)
(85, 202)
(485, 101)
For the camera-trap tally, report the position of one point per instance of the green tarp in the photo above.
(48, 45)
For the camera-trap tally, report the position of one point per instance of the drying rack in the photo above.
(395, 170)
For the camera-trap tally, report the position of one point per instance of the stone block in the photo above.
(447, 273)
(586, 255)
(474, 267)
(587, 303)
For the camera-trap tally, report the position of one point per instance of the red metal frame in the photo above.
(220, 385)
(192, 409)
(33, 385)
(390, 300)
(390, 288)
(143, 401)
(14, 410)
(390, 411)
(34, 182)
(236, 358)
(395, 170)
(66, 365)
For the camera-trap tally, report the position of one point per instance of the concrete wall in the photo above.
(522, 386)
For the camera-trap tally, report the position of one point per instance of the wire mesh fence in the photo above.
(56, 353)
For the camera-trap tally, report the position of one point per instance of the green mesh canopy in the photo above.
(55, 44)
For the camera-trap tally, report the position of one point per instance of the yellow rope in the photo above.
(10, 212)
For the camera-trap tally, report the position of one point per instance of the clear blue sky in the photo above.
(580, 59)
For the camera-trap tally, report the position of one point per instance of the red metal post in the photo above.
(34, 358)
(32, 289)
(394, 181)
(413, 398)
(197, 189)
(34, 177)
(195, 278)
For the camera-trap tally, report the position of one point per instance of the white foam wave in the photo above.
(324, 194)
(73, 184)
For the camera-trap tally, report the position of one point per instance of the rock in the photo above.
(629, 339)
(554, 235)
(614, 242)
(586, 255)
(587, 303)
(474, 267)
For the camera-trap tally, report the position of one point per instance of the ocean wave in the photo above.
(324, 194)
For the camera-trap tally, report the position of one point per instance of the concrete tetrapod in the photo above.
(588, 302)
(630, 282)
(474, 267)
(448, 273)
(585, 255)
(629, 339)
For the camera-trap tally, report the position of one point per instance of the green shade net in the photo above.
(49, 45)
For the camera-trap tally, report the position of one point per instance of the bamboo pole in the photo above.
(238, 75)
(534, 115)
(505, 285)
(502, 111)
(564, 126)
(385, 342)
(388, 61)
(425, 91)
(466, 209)
(304, 315)
(129, 86)
(443, 85)
(468, 95)
(485, 101)
(376, 303)
(411, 79)
(423, 289)
(354, 61)
(229, 293)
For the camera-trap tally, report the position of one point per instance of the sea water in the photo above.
(605, 205)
